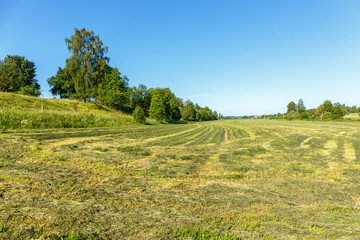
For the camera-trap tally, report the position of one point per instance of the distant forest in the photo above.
(88, 76)
(298, 111)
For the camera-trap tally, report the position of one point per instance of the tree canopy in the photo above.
(17, 74)
(87, 76)
(87, 64)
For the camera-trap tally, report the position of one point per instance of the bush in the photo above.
(31, 90)
(139, 115)
(303, 116)
(327, 116)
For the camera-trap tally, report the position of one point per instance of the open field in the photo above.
(236, 179)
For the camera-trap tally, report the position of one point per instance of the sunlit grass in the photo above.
(238, 179)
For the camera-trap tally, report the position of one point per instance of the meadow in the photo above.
(226, 179)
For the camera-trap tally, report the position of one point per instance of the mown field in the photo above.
(235, 179)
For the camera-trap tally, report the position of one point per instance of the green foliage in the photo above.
(112, 91)
(139, 115)
(292, 115)
(87, 64)
(164, 105)
(303, 115)
(30, 90)
(61, 84)
(291, 107)
(17, 74)
(87, 75)
(57, 113)
(201, 234)
(326, 111)
(158, 106)
(188, 112)
(327, 106)
(300, 106)
(327, 116)
(137, 96)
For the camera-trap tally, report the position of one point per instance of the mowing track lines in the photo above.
(213, 166)
(195, 137)
(76, 139)
(148, 140)
(204, 137)
(349, 154)
(154, 139)
(182, 139)
(226, 137)
(216, 137)
(236, 134)
(145, 161)
(329, 147)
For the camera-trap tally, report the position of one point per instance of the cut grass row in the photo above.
(239, 179)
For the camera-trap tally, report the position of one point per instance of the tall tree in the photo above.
(87, 64)
(138, 96)
(158, 106)
(17, 74)
(300, 106)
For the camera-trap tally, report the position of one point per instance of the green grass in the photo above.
(233, 179)
(19, 112)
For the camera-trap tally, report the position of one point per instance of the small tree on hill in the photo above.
(139, 115)
(61, 84)
(17, 74)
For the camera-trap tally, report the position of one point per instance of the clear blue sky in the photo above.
(237, 57)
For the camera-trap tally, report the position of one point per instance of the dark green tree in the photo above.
(61, 84)
(17, 74)
(87, 64)
(300, 106)
(137, 97)
(112, 91)
(291, 107)
(338, 110)
(327, 106)
(158, 106)
(147, 100)
(164, 105)
(188, 112)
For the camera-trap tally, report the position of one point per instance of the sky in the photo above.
(242, 57)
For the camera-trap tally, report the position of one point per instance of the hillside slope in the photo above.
(19, 111)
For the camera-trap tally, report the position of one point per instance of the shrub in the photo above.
(304, 115)
(139, 115)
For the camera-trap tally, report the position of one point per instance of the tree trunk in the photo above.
(84, 100)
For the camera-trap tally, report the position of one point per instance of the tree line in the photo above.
(326, 111)
(88, 76)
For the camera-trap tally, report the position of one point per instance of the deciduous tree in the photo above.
(61, 84)
(87, 64)
(17, 74)
(291, 107)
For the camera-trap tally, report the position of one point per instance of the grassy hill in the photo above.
(19, 111)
